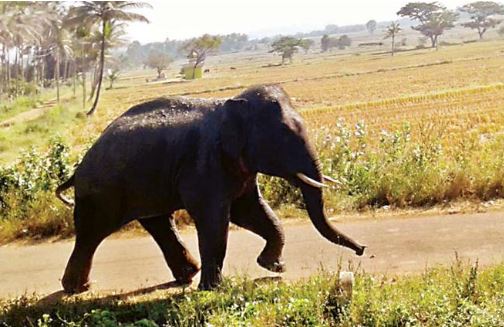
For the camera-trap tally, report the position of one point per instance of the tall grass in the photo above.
(396, 169)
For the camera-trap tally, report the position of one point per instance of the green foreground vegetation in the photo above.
(458, 296)
(398, 170)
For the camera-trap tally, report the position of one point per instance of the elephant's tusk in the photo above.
(330, 179)
(309, 181)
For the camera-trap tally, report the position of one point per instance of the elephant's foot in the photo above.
(186, 274)
(210, 280)
(275, 265)
(75, 285)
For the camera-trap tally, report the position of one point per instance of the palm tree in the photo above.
(102, 13)
(22, 32)
(113, 38)
(112, 76)
(3, 47)
(59, 41)
(392, 30)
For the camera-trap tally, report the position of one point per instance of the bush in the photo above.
(22, 88)
(27, 200)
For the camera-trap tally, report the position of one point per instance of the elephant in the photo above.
(202, 155)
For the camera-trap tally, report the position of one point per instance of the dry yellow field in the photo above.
(458, 88)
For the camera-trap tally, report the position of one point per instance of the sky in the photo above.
(181, 19)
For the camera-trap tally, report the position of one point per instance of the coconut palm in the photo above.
(22, 22)
(114, 33)
(392, 30)
(83, 45)
(103, 13)
(3, 47)
(60, 41)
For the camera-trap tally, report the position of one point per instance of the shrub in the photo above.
(28, 206)
(22, 88)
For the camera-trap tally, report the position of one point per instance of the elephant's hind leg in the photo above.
(89, 233)
(179, 260)
(251, 212)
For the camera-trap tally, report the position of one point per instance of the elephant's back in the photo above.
(144, 141)
(164, 112)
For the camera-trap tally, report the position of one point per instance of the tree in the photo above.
(59, 44)
(501, 31)
(159, 61)
(286, 46)
(198, 49)
(325, 43)
(392, 30)
(481, 13)
(104, 13)
(114, 33)
(112, 76)
(371, 26)
(87, 55)
(343, 42)
(306, 44)
(233, 42)
(21, 31)
(434, 18)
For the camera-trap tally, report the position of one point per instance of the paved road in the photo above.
(395, 246)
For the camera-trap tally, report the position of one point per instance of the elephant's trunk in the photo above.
(312, 196)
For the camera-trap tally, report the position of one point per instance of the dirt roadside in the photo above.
(395, 245)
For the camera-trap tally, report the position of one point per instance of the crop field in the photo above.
(458, 85)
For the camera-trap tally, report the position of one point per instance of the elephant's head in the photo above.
(262, 130)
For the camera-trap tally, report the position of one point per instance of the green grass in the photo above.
(458, 296)
(55, 120)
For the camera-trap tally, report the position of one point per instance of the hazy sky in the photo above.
(179, 19)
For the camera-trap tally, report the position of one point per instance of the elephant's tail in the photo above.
(66, 185)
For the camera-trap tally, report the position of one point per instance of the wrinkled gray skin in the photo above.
(202, 156)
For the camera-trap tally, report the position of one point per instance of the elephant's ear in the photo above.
(232, 132)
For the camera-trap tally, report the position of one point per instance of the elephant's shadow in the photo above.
(57, 296)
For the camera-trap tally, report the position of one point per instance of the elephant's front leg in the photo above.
(251, 212)
(212, 224)
(179, 260)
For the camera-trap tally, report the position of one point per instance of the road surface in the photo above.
(394, 246)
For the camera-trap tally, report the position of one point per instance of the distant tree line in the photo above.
(137, 53)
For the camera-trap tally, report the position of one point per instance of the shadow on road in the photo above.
(57, 296)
